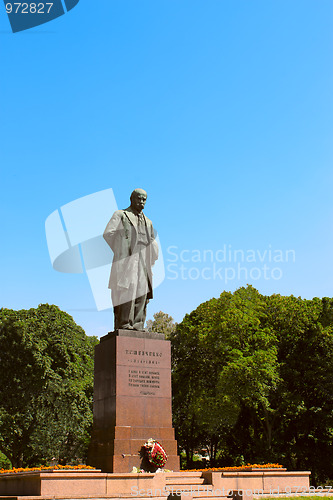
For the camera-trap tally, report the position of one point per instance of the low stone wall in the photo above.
(88, 483)
(260, 482)
(96, 484)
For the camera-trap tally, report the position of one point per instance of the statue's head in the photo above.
(138, 199)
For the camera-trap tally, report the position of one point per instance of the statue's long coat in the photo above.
(121, 235)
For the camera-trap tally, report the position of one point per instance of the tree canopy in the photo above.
(46, 371)
(253, 381)
(162, 323)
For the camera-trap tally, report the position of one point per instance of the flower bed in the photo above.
(241, 468)
(45, 468)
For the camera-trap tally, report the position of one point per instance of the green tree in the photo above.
(253, 381)
(187, 376)
(162, 323)
(305, 398)
(223, 358)
(4, 462)
(46, 367)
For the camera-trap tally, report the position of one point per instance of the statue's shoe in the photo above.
(127, 327)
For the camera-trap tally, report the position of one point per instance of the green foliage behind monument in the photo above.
(253, 381)
(46, 374)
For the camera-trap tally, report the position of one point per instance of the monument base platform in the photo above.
(132, 401)
(94, 484)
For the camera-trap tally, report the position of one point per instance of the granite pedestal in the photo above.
(132, 400)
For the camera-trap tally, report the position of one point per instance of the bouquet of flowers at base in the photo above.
(155, 453)
(137, 470)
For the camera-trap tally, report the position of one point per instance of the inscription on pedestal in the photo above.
(144, 368)
(141, 357)
(148, 380)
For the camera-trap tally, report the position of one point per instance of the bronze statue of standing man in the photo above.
(130, 235)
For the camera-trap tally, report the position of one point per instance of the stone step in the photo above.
(185, 495)
(196, 488)
(183, 474)
(207, 498)
(179, 478)
(190, 492)
(186, 480)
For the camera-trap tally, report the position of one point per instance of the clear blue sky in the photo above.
(221, 109)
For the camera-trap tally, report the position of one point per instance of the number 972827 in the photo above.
(25, 8)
